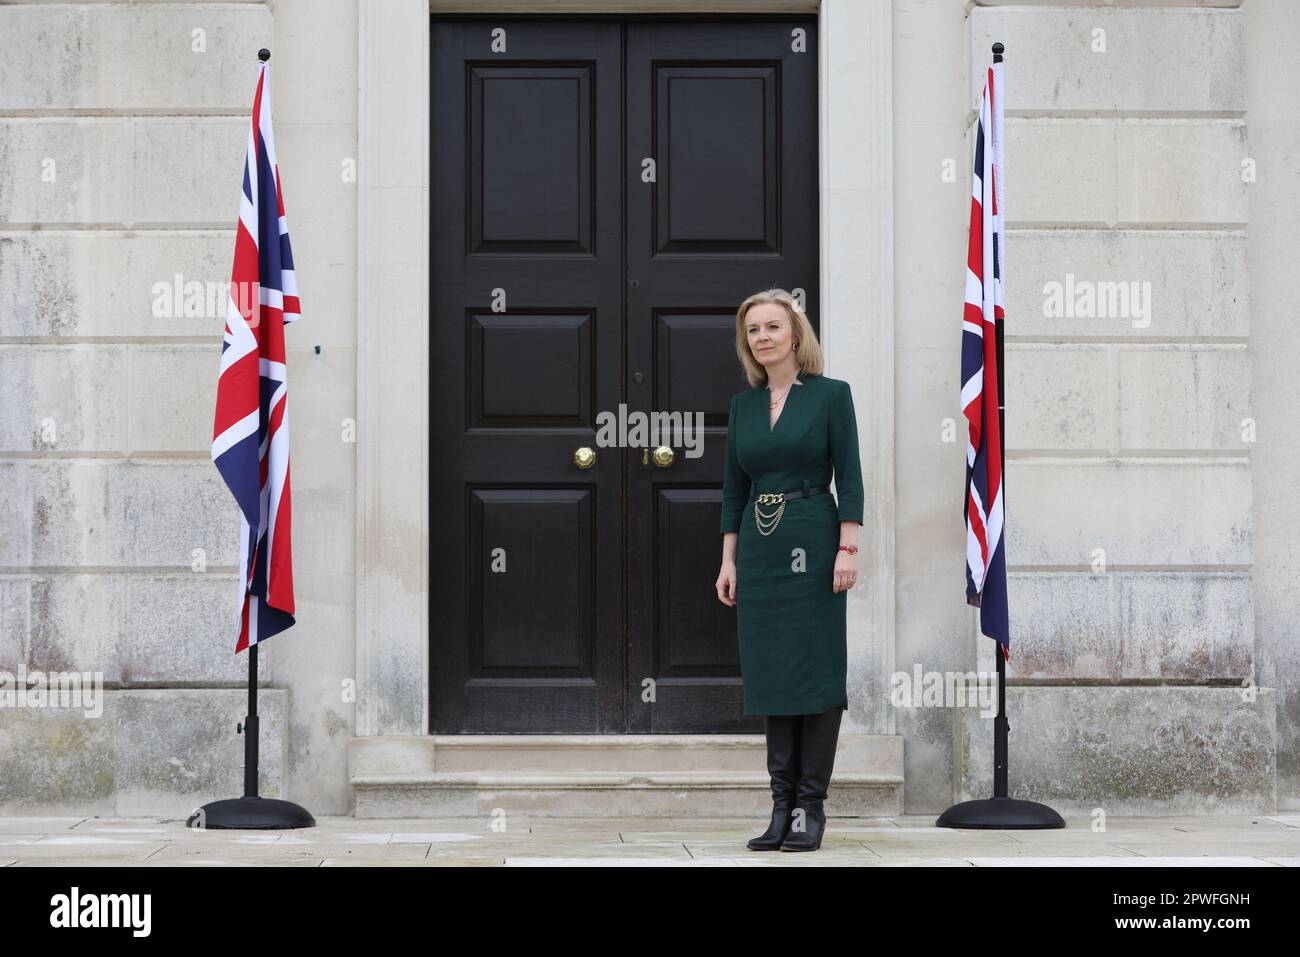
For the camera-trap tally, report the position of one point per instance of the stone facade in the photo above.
(1153, 188)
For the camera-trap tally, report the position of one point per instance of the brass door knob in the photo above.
(663, 456)
(584, 458)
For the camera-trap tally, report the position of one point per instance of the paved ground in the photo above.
(910, 840)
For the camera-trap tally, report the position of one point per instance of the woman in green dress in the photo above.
(789, 554)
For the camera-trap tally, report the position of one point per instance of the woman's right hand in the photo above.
(727, 584)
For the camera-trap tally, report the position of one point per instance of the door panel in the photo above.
(526, 305)
(716, 134)
(531, 127)
(582, 600)
(728, 110)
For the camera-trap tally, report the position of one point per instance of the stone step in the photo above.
(604, 776)
(610, 794)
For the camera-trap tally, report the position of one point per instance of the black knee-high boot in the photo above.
(783, 767)
(818, 737)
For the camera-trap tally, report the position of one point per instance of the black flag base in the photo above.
(250, 813)
(1001, 813)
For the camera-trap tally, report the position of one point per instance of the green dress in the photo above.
(789, 621)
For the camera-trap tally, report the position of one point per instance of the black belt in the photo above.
(771, 498)
(766, 523)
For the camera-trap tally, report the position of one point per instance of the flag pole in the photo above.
(1001, 812)
(251, 812)
(1000, 725)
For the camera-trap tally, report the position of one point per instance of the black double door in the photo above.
(605, 193)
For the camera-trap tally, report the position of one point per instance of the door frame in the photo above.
(856, 282)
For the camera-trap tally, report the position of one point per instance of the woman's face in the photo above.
(767, 328)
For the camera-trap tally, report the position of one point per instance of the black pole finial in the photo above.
(998, 49)
(264, 54)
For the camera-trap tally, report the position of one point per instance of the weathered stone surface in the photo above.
(119, 182)
(1140, 398)
(1132, 170)
(1184, 397)
(62, 398)
(1094, 60)
(79, 512)
(1058, 404)
(121, 171)
(173, 395)
(1085, 513)
(1065, 626)
(70, 56)
(1134, 750)
(1190, 283)
(178, 628)
(163, 752)
(1181, 625)
(1194, 626)
(116, 283)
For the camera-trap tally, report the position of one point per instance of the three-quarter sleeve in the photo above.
(843, 429)
(735, 483)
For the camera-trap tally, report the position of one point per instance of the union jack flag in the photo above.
(250, 438)
(981, 374)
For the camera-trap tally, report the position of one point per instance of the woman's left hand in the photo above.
(846, 571)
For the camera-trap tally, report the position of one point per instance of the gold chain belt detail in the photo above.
(766, 523)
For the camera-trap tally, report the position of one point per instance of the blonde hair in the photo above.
(807, 351)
